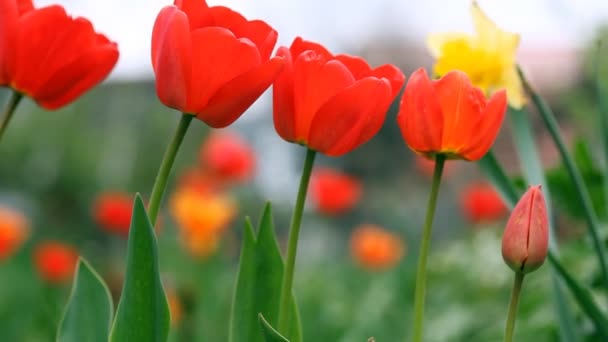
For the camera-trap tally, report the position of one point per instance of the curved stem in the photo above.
(512, 315)
(13, 101)
(292, 245)
(165, 167)
(424, 250)
(575, 175)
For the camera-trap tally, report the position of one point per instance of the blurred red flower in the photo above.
(449, 116)
(55, 261)
(210, 61)
(112, 211)
(332, 104)
(229, 157)
(50, 56)
(333, 191)
(14, 230)
(482, 203)
(375, 248)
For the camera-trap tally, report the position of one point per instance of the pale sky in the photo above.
(340, 24)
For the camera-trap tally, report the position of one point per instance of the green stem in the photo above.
(13, 101)
(292, 245)
(510, 327)
(424, 250)
(603, 110)
(573, 172)
(165, 167)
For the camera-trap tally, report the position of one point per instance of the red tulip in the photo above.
(228, 156)
(55, 261)
(482, 203)
(332, 104)
(526, 238)
(449, 116)
(334, 192)
(50, 56)
(375, 248)
(210, 61)
(112, 211)
(14, 229)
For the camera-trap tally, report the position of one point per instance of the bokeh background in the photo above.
(54, 165)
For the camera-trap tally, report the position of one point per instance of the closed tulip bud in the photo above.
(526, 238)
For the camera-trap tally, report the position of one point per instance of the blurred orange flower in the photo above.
(375, 248)
(14, 230)
(201, 218)
(333, 191)
(228, 156)
(55, 261)
(112, 211)
(482, 203)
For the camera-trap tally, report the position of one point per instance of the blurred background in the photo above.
(69, 177)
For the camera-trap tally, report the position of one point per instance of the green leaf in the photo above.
(270, 334)
(258, 285)
(143, 313)
(88, 315)
(494, 172)
(584, 298)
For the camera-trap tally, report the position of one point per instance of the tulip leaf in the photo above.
(143, 313)
(494, 172)
(258, 284)
(88, 315)
(270, 334)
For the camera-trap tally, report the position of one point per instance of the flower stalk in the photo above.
(513, 303)
(13, 102)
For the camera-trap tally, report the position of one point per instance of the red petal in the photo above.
(234, 98)
(72, 80)
(315, 82)
(197, 12)
(420, 117)
(217, 57)
(488, 127)
(8, 22)
(172, 57)
(282, 99)
(24, 6)
(393, 75)
(538, 234)
(357, 65)
(351, 117)
(300, 46)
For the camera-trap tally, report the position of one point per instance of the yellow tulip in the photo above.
(487, 57)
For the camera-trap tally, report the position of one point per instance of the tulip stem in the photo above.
(515, 291)
(424, 250)
(292, 245)
(165, 167)
(13, 102)
(575, 175)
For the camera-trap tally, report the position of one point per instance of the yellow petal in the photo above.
(515, 92)
(435, 42)
(491, 36)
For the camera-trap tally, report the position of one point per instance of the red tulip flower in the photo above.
(334, 192)
(449, 116)
(14, 229)
(332, 104)
(211, 62)
(375, 248)
(228, 156)
(50, 56)
(55, 261)
(525, 241)
(482, 203)
(112, 211)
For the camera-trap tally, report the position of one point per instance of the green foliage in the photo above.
(143, 313)
(270, 334)
(88, 316)
(258, 284)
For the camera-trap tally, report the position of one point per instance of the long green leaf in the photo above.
(143, 313)
(603, 110)
(270, 334)
(88, 315)
(258, 284)
(490, 167)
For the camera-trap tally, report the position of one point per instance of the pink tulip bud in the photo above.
(526, 238)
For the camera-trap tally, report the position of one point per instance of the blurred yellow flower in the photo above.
(201, 218)
(488, 57)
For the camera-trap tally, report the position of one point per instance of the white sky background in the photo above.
(340, 24)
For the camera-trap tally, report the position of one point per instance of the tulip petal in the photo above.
(282, 99)
(351, 117)
(487, 128)
(72, 80)
(8, 22)
(236, 96)
(420, 117)
(217, 57)
(300, 45)
(357, 65)
(515, 237)
(24, 6)
(172, 57)
(393, 75)
(315, 82)
(197, 12)
(538, 234)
